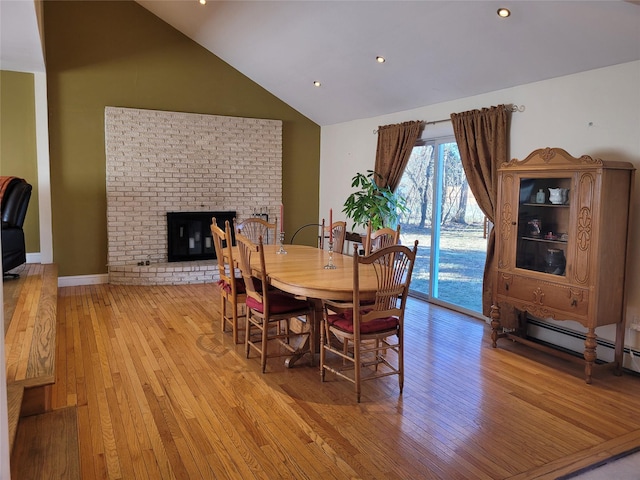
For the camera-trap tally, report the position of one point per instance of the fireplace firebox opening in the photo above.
(189, 234)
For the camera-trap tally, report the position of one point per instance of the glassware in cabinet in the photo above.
(543, 224)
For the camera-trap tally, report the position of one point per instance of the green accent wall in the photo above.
(102, 54)
(18, 156)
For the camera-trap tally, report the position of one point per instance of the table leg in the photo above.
(311, 345)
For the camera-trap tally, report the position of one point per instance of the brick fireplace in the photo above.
(159, 162)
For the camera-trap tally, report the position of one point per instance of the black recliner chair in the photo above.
(15, 200)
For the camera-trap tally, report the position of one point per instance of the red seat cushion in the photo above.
(278, 303)
(240, 288)
(344, 322)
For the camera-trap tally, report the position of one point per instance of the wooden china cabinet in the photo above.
(561, 245)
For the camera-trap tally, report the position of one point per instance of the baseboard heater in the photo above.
(572, 343)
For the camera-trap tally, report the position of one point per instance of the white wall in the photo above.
(44, 175)
(593, 113)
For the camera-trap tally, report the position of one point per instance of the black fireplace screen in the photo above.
(190, 234)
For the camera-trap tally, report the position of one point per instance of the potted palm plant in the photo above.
(380, 205)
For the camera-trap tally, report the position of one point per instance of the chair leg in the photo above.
(322, 350)
(234, 326)
(345, 350)
(247, 334)
(400, 362)
(356, 368)
(263, 346)
(311, 321)
(223, 310)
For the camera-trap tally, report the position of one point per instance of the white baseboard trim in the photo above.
(34, 257)
(73, 281)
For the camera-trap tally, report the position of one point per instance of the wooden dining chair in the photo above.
(339, 234)
(269, 310)
(382, 237)
(232, 289)
(364, 330)
(253, 228)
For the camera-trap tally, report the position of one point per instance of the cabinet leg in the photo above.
(589, 353)
(522, 323)
(495, 324)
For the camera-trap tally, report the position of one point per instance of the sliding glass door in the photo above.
(444, 217)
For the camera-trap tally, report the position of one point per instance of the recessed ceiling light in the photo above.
(504, 12)
(380, 59)
(203, 2)
(316, 83)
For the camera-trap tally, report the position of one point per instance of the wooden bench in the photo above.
(30, 340)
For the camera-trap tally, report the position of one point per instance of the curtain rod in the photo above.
(512, 107)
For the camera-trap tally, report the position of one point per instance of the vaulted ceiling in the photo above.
(435, 51)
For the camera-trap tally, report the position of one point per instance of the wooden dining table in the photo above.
(301, 272)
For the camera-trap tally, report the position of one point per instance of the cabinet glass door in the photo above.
(543, 224)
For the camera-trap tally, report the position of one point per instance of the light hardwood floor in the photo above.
(161, 393)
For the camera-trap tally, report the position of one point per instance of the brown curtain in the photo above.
(395, 143)
(483, 142)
